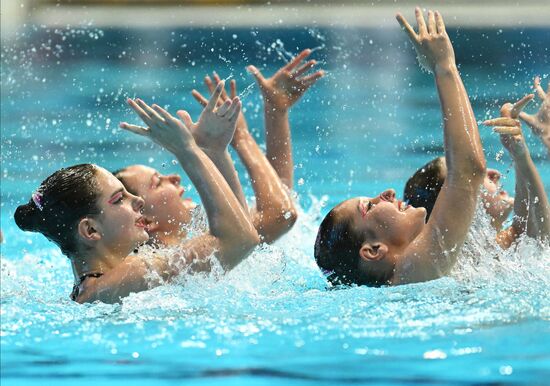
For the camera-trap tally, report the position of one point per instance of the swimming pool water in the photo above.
(369, 124)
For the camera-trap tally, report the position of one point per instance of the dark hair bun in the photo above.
(25, 217)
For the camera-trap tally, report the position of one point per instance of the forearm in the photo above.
(222, 160)
(463, 149)
(226, 217)
(521, 202)
(533, 204)
(278, 143)
(275, 210)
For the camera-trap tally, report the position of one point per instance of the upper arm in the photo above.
(433, 253)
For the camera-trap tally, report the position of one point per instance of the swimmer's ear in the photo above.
(373, 251)
(88, 230)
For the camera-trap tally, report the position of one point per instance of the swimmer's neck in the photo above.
(83, 263)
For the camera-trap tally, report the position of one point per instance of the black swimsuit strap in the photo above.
(76, 287)
(90, 274)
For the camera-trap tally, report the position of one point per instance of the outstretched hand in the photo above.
(509, 127)
(213, 131)
(162, 128)
(216, 125)
(539, 122)
(211, 86)
(432, 44)
(288, 84)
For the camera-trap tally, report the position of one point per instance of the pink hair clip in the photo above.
(37, 199)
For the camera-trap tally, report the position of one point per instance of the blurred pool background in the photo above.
(67, 68)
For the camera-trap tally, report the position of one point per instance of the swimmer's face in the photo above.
(496, 201)
(385, 219)
(165, 208)
(120, 222)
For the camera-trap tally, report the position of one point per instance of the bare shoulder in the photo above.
(127, 277)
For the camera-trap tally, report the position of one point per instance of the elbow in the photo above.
(288, 217)
(250, 240)
(272, 226)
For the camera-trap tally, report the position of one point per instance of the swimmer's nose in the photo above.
(138, 203)
(388, 195)
(174, 179)
(493, 175)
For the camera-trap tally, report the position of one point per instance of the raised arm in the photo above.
(214, 139)
(228, 221)
(531, 208)
(433, 253)
(275, 212)
(540, 122)
(280, 93)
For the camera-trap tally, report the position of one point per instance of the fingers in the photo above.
(185, 117)
(198, 96)
(140, 130)
(215, 96)
(407, 27)
(304, 68)
(140, 112)
(209, 84)
(519, 105)
(233, 88)
(222, 110)
(152, 114)
(432, 29)
(163, 114)
(235, 109)
(217, 79)
(310, 79)
(296, 61)
(504, 125)
(422, 30)
(257, 74)
(507, 130)
(540, 92)
(440, 25)
(502, 121)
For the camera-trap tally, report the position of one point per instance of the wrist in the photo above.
(272, 109)
(215, 152)
(187, 151)
(445, 67)
(522, 161)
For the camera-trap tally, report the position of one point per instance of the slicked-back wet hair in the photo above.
(337, 252)
(422, 189)
(61, 201)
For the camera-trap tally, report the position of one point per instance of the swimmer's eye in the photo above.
(117, 199)
(155, 181)
(369, 205)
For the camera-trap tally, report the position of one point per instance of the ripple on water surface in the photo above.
(273, 318)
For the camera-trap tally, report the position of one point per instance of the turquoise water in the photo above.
(367, 126)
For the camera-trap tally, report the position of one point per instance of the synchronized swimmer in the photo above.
(101, 220)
